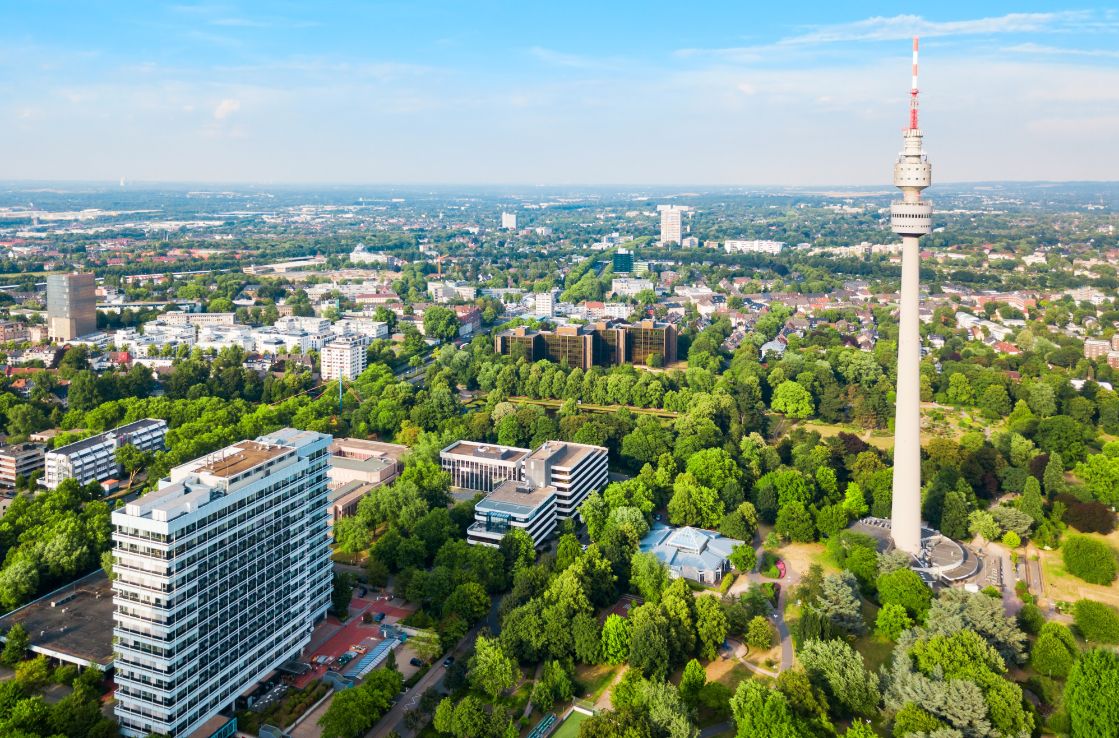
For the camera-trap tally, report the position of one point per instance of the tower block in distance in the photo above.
(911, 218)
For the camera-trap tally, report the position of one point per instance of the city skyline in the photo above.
(493, 94)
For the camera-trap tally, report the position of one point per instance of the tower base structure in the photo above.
(939, 559)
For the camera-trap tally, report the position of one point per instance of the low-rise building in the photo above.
(514, 504)
(692, 553)
(94, 459)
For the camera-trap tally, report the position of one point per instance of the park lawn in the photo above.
(1062, 586)
(595, 678)
(733, 676)
(569, 728)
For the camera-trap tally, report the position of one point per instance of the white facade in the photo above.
(573, 469)
(672, 223)
(753, 247)
(545, 306)
(220, 576)
(481, 466)
(509, 221)
(514, 504)
(628, 287)
(181, 318)
(343, 358)
(93, 459)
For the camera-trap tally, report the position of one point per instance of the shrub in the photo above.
(1090, 559)
(1054, 651)
(1030, 618)
(1096, 621)
(905, 588)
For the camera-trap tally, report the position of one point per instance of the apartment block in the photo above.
(71, 306)
(1096, 348)
(481, 467)
(20, 460)
(342, 358)
(672, 225)
(94, 459)
(220, 576)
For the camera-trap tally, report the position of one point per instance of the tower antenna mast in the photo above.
(913, 91)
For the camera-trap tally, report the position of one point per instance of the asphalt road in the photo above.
(394, 718)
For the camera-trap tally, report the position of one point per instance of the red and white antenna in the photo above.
(913, 91)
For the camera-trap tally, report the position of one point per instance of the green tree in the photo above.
(893, 620)
(711, 626)
(491, 669)
(954, 516)
(1054, 651)
(794, 523)
(904, 587)
(841, 667)
(759, 633)
(761, 712)
(855, 500)
(1097, 622)
(16, 645)
(692, 681)
(1092, 695)
(743, 557)
(648, 576)
(1089, 558)
(615, 639)
(694, 504)
(793, 400)
(440, 323)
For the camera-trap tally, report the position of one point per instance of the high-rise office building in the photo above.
(623, 262)
(71, 306)
(220, 575)
(672, 223)
(911, 218)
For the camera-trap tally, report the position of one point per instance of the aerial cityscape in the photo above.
(373, 371)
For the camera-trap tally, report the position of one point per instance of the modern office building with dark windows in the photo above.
(220, 576)
(598, 344)
(71, 306)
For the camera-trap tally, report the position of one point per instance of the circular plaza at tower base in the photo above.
(940, 559)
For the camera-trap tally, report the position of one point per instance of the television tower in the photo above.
(911, 218)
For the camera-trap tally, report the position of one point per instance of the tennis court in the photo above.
(569, 728)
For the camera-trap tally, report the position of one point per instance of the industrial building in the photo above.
(220, 575)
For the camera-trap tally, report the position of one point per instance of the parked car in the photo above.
(378, 617)
(448, 662)
(415, 661)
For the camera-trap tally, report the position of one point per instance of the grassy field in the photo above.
(1062, 586)
(595, 679)
(569, 728)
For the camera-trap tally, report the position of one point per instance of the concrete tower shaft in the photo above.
(911, 218)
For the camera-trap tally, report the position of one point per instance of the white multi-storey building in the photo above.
(181, 318)
(628, 286)
(573, 469)
(532, 491)
(220, 575)
(509, 221)
(342, 358)
(753, 247)
(545, 304)
(94, 459)
(672, 223)
(481, 466)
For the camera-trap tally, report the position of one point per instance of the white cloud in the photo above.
(226, 108)
(1040, 50)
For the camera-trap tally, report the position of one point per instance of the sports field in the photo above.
(570, 727)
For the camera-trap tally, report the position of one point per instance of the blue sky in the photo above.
(562, 92)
